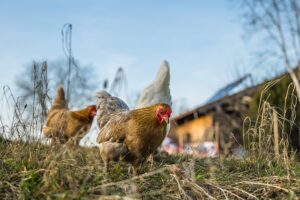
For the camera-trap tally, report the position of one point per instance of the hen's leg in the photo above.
(72, 143)
(134, 170)
(151, 160)
(135, 165)
(55, 141)
(106, 166)
(104, 156)
(80, 134)
(63, 139)
(53, 134)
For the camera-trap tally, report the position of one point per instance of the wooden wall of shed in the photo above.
(200, 130)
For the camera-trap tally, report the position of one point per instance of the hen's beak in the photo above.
(166, 119)
(94, 113)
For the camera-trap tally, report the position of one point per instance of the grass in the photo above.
(30, 169)
(35, 171)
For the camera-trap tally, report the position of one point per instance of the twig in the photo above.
(245, 192)
(180, 188)
(224, 190)
(199, 188)
(264, 184)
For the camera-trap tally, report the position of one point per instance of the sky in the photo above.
(202, 40)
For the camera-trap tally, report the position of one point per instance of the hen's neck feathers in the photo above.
(82, 115)
(146, 116)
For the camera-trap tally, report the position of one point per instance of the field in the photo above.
(31, 170)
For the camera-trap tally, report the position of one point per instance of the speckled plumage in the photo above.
(107, 105)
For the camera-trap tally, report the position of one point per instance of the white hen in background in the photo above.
(159, 90)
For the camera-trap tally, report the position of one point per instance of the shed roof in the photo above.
(207, 108)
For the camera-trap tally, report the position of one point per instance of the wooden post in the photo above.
(217, 136)
(276, 134)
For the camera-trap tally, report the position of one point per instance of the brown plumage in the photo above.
(137, 133)
(63, 124)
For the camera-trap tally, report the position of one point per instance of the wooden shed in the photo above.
(218, 121)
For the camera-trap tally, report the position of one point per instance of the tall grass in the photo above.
(268, 138)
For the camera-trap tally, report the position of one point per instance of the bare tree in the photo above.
(82, 82)
(279, 22)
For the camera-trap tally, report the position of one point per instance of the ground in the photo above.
(31, 170)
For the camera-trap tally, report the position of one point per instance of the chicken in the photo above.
(129, 134)
(159, 90)
(65, 125)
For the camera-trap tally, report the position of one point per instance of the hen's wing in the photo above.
(108, 105)
(115, 129)
(59, 101)
(159, 90)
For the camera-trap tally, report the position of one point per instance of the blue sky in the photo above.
(202, 40)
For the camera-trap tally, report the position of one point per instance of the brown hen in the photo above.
(135, 134)
(64, 125)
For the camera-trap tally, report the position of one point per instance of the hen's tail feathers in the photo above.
(60, 101)
(163, 75)
(107, 105)
(159, 90)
